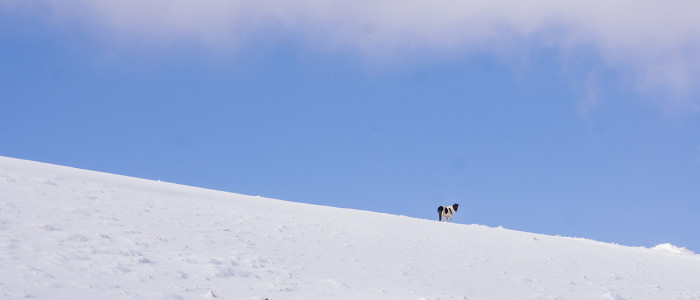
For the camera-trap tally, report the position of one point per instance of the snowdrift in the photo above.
(74, 234)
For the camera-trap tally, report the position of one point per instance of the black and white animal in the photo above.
(447, 212)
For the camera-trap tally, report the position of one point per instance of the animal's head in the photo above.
(455, 206)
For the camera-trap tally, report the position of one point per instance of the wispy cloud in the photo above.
(656, 42)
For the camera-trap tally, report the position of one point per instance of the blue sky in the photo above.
(578, 120)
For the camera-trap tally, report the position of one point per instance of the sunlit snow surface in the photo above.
(73, 234)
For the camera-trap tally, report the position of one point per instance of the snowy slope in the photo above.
(74, 234)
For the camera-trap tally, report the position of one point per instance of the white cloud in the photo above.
(656, 42)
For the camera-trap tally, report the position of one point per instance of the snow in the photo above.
(672, 249)
(74, 234)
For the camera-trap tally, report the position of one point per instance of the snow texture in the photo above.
(73, 234)
(673, 249)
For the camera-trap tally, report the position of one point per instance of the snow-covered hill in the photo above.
(73, 234)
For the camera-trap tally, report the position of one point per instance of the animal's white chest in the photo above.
(447, 212)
